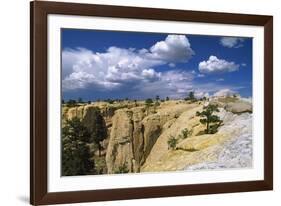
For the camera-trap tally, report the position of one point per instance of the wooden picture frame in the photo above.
(39, 114)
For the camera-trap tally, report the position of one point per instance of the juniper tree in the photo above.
(157, 98)
(211, 121)
(149, 102)
(71, 103)
(172, 142)
(191, 96)
(76, 157)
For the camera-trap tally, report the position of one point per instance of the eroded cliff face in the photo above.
(134, 134)
(120, 150)
(137, 135)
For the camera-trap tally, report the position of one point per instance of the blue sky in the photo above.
(110, 64)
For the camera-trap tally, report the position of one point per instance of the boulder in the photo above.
(238, 107)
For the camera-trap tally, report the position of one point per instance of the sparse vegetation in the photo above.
(80, 100)
(71, 103)
(185, 133)
(190, 97)
(93, 144)
(157, 98)
(122, 169)
(211, 121)
(110, 101)
(100, 165)
(172, 142)
(148, 102)
(157, 104)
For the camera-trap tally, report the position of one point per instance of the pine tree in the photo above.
(148, 102)
(211, 121)
(75, 151)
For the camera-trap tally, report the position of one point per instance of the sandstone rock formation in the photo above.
(238, 107)
(137, 135)
(196, 150)
(133, 135)
(236, 152)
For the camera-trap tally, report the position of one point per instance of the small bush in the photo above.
(148, 102)
(172, 142)
(157, 104)
(71, 103)
(80, 100)
(157, 98)
(122, 169)
(110, 101)
(185, 133)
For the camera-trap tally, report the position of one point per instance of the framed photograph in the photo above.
(133, 102)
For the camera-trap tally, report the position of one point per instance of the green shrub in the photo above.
(185, 133)
(76, 157)
(172, 142)
(71, 103)
(157, 104)
(211, 121)
(149, 102)
(157, 98)
(190, 97)
(122, 169)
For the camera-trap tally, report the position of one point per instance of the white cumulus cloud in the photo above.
(131, 69)
(175, 48)
(216, 65)
(116, 66)
(232, 42)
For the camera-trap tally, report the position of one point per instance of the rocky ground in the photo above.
(138, 135)
(235, 152)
